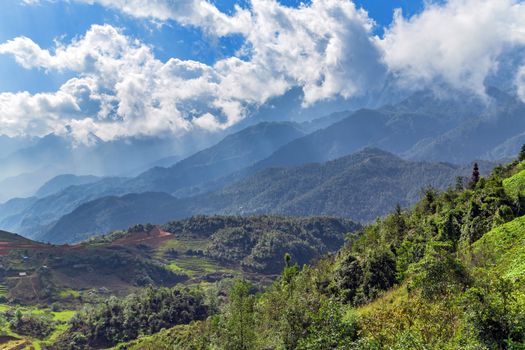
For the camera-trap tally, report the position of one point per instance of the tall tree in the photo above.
(459, 183)
(239, 323)
(474, 179)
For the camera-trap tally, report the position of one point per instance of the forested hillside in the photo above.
(445, 274)
(130, 283)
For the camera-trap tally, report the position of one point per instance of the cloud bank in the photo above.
(326, 48)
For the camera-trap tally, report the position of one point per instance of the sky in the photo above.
(128, 68)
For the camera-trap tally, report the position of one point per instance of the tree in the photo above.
(474, 179)
(399, 221)
(239, 322)
(439, 273)
(459, 183)
(348, 278)
(290, 271)
(521, 156)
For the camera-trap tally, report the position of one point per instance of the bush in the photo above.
(35, 326)
(438, 273)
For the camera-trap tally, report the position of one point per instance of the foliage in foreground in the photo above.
(446, 274)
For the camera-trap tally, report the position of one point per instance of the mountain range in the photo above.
(341, 187)
(245, 171)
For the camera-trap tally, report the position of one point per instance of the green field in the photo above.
(59, 319)
(198, 266)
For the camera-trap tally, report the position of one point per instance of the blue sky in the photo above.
(48, 21)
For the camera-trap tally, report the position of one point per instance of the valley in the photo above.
(56, 281)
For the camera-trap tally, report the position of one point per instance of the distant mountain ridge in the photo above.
(234, 152)
(61, 182)
(361, 187)
(395, 128)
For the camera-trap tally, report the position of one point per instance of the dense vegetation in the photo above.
(258, 243)
(120, 320)
(446, 274)
(362, 186)
(37, 326)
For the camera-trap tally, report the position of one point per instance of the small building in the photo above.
(22, 274)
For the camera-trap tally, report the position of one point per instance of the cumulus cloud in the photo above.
(461, 42)
(326, 48)
(122, 89)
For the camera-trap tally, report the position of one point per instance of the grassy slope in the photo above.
(516, 184)
(502, 250)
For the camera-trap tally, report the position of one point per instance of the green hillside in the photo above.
(43, 286)
(515, 185)
(446, 274)
(502, 250)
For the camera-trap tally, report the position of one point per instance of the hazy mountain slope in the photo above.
(361, 187)
(10, 145)
(324, 122)
(60, 182)
(394, 128)
(35, 218)
(231, 154)
(46, 151)
(15, 206)
(111, 213)
(234, 152)
(493, 134)
(507, 149)
(25, 184)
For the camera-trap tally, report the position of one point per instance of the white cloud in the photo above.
(326, 48)
(460, 43)
(122, 90)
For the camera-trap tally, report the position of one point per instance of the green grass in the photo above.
(182, 245)
(197, 266)
(63, 316)
(193, 266)
(502, 250)
(60, 317)
(176, 268)
(515, 185)
(68, 293)
(3, 291)
(171, 338)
